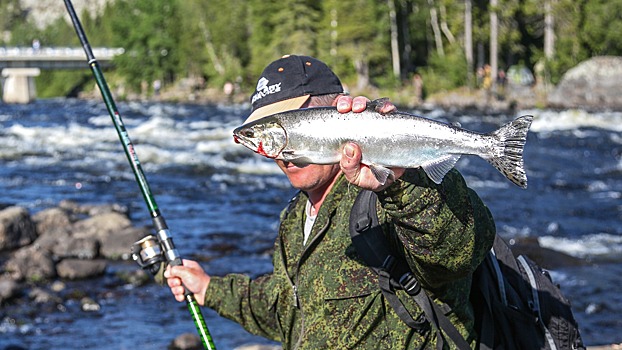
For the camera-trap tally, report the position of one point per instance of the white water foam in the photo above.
(572, 119)
(599, 245)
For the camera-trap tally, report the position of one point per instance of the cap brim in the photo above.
(277, 107)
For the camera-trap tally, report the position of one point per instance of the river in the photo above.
(222, 204)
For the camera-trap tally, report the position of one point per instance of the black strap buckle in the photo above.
(410, 284)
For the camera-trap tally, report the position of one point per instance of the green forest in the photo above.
(371, 44)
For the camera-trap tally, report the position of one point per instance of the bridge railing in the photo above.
(68, 52)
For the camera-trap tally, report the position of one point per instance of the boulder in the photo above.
(31, 263)
(79, 269)
(81, 248)
(8, 289)
(186, 341)
(101, 225)
(51, 219)
(41, 296)
(116, 244)
(593, 84)
(16, 228)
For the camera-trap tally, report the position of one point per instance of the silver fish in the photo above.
(317, 135)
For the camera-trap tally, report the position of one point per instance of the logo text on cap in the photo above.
(263, 89)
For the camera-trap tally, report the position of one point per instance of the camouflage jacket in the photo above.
(322, 295)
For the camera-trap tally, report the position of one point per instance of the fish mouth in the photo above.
(245, 142)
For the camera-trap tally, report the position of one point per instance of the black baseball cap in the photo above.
(288, 82)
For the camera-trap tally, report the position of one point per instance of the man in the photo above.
(320, 294)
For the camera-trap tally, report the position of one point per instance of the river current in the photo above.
(222, 202)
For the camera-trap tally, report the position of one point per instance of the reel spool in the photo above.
(147, 253)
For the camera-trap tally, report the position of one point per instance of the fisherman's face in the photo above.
(312, 177)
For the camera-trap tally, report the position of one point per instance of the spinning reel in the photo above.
(151, 252)
(147, 253)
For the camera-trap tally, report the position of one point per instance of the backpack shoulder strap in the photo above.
(365, 231)
(371, 244)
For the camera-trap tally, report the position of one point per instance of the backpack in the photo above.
(516, 304)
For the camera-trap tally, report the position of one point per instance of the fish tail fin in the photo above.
(508, 155)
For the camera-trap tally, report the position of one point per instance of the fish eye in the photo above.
(248, 133)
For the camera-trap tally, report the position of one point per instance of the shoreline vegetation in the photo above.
(505, 100)
(591, 86)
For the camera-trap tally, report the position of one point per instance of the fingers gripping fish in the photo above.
(317, 135)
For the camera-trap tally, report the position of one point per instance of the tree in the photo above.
(362, 40)
(549, 31)
(468, 40)
(494, 36)
(291, 28)
(215, 46)
(395, 50)
(150, 32)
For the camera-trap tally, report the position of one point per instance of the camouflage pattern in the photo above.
(323, 296)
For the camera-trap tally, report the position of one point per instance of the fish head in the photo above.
(265, 138)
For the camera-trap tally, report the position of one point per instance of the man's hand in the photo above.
(357, 173)
(360, 174)
(358, 104)
(190, 275)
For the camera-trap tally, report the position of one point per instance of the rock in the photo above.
(116, 244)
(81, 248)
(186, 341)
(545, 257)
(31, 263)
(16, 228)
(259, 347)
(101, 225)
(51, 219)
(79, 269)
(58, 286)
(62, 244)
(89, 305)
(50, 238)
(92, 209)
(41, 296)
(135, 277)
(8, 289)
(595, 83)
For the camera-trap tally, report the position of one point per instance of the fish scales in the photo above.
(385, 140)
(317, 136)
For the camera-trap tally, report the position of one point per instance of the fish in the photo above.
(317, 135)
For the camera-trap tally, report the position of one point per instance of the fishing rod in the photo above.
(150, 252)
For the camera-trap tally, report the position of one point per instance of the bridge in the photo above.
(19, 66)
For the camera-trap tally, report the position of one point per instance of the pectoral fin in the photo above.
(381, 173)
(436, 169)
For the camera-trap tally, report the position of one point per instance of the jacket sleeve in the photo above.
(444, 231)
(246, 301)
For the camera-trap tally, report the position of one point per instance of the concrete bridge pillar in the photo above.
(19, 84)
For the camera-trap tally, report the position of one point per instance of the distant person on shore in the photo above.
(157, 85)
(487, 79)
(36, 45)
(418, 85)
(320, 294)
(228, 90)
